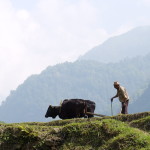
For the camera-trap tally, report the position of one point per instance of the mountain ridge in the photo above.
(128, 45)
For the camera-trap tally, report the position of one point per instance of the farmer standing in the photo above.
(123, 97)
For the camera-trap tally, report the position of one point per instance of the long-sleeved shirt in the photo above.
(122, 94)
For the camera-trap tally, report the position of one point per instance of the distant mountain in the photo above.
(142, 104)
(81, 79)
(128, 45)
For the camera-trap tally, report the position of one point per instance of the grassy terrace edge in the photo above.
(107, 133)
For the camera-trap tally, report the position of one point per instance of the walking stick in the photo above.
(111, 109)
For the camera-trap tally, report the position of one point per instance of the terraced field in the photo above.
(122, 132)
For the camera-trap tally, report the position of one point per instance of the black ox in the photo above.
(71, 108)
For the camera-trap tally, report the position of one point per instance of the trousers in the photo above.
(125, 107)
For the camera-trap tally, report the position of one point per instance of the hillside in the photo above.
(110, 133)
(128, 45)
(142, 103)
(81, 79)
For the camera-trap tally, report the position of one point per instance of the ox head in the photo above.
(52, 111)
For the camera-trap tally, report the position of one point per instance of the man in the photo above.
(123, 97)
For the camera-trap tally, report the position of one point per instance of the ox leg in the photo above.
(90, 116)
(85, 110)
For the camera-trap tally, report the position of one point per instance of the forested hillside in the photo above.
(127, 45)
(142, 104)
(81, 79)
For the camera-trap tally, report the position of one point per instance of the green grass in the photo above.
(107, 134)
(143, 124)
(122, 132)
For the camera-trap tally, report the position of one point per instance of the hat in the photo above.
(116, 83)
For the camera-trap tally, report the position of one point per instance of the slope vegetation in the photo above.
(121, 132)
(142, 103)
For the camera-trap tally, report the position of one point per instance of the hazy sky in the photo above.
(37, 33)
